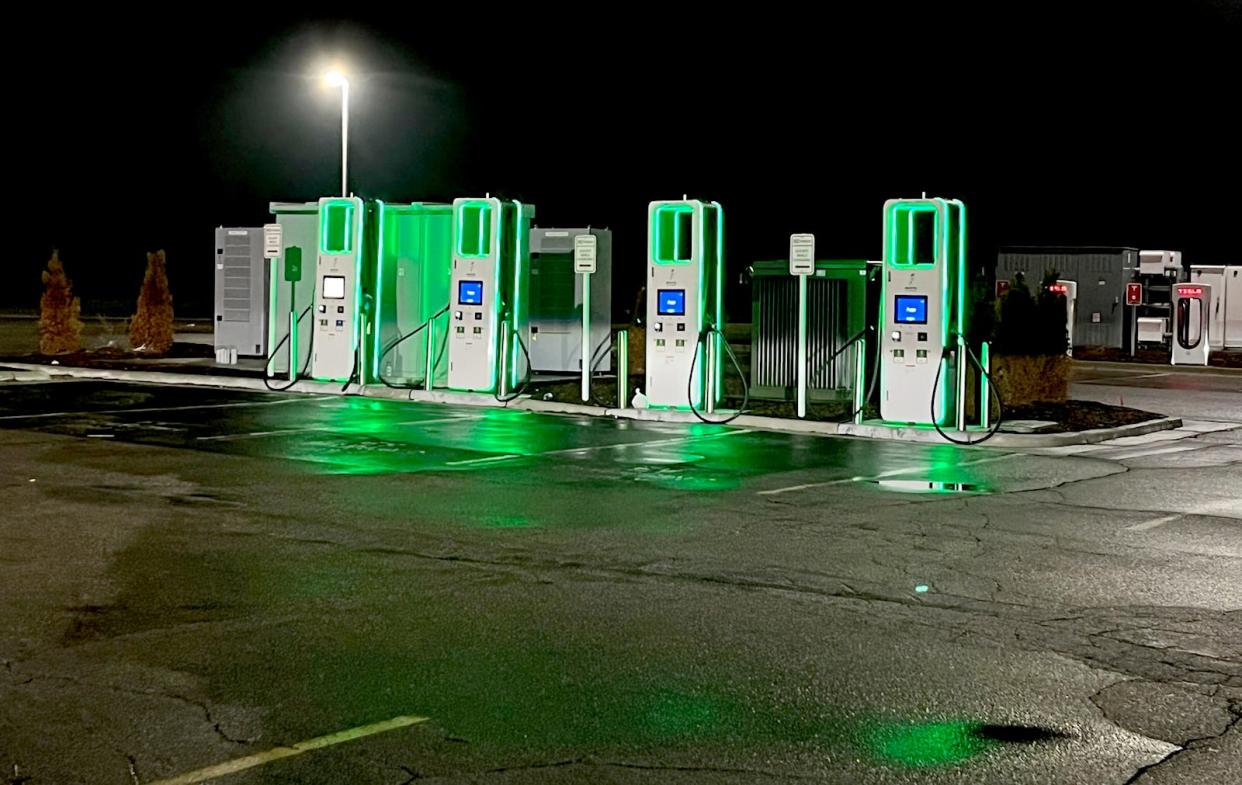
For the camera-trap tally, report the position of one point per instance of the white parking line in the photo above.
(599, 447)
(228, 437)
(1123, 453)
(1146, 525)
(488, 459)
(879, 476)
(276, 753)
(234, 405)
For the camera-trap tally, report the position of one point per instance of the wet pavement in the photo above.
(193, 577)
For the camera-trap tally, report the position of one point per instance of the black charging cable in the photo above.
(709, 384)
(521, 390)
(1000, 404)
(871, 385)
(596, 358)
(293, 361)
(379, 373)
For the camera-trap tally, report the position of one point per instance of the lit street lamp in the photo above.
(335, 78)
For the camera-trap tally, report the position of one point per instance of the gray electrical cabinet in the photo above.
(555, 339)
(1101, 317)
(241, 286)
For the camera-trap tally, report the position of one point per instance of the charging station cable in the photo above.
(379, 374)
(704, 334)
(871, 386)
(521, 390)
(356, 371)
(1000, 404)
(293, 361)
(596, 357)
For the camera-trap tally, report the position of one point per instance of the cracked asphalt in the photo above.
(189, 577)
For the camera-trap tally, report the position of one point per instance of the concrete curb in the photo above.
(865, 430)
(7, 375)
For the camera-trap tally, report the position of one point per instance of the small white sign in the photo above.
(801, 254)
(273, 238)
(584, 253)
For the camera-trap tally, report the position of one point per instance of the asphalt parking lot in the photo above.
(195, 578)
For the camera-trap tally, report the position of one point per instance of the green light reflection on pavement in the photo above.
(917, 745)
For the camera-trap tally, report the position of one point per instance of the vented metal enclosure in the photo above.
(556, 301)
(836, 312)
(1101, 317)
(241, 290)
(299, 223)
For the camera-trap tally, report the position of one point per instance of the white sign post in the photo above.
(273, 237)
(802, 264)
(585, 246)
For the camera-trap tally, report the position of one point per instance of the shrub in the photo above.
(151, 329)
(1028, 325)
(1030, 343)
(60, 328)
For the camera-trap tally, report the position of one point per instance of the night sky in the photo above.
(1058, 127)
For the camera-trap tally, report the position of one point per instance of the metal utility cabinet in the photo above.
(241, 289)
(556, 301)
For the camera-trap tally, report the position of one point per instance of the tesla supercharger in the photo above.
(1192, 321)
(1069, 289)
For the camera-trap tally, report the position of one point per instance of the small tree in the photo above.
(60, 329)
(1030, 343)
(151, 329)
(1015, 318)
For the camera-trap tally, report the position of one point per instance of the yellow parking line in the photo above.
(276, 753)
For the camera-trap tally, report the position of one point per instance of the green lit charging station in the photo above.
(316, 285)
(408, 331)
(337, 317)
(923, 359)
(489, 288)
(685, 304)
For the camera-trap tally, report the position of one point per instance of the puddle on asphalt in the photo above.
(926, 486)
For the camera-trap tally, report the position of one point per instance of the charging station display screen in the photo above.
(910, 308)
(469, 292)
(334, 287)
(672, 302)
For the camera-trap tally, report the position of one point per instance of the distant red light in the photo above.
(1058, 288)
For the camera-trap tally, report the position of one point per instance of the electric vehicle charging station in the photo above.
(1069, 290)
(685, 303)
(922, 367)
(338, 290)
(411, 287)
(488, 291)
(1192, 324)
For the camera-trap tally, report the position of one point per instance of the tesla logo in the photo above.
(1134, 294)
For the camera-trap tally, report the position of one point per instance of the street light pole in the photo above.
(337, 79)
(344, 137)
